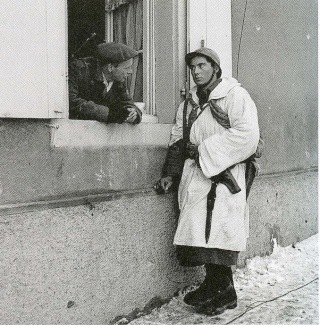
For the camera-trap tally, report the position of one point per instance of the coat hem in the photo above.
(176, 243)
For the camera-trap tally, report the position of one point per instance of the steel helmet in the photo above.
(207, 53)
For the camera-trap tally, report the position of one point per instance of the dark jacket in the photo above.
(86, 99)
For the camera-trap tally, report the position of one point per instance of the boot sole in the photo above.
(211, 311)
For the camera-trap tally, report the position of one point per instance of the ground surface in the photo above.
(263, 288)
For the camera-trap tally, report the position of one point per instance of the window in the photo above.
(127, 28)
(131, 22)
(91, 22)
(35, 48)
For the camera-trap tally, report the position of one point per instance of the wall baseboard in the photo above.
(81, 199)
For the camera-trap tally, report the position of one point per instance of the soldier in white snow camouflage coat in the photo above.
(212, 144)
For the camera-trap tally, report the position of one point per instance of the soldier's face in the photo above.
(122, 70)
(201, 70)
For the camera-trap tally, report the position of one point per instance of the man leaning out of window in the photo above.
(97, 86)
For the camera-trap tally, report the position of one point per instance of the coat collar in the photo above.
(220, 91)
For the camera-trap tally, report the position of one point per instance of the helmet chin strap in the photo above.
(203, 93)
(210, 82)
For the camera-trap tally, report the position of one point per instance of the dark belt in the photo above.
(210, 205)
(226, 178)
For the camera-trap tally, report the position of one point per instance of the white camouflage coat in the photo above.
(219, 148)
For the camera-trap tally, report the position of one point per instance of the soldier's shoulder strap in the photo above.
(218, 114)
(186, 127)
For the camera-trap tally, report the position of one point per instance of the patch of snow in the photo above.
(278, 289)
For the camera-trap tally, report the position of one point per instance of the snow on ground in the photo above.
(278, 289)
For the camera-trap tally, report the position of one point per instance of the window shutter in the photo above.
(33, 59)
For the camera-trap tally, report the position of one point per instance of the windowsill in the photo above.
(148, 118)
(67, 133)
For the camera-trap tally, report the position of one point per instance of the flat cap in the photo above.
(203, 51)
(115, 52)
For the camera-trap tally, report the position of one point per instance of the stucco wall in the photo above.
(102, 260)
(283, 207)
(275, 57)
(91, 263)
(43, 160)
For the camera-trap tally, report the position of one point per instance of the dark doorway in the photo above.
(85, 17)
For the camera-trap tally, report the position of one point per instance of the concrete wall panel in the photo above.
(92, 263)
(87, 264)
(275, 46)
(31, 169)
(283, 208)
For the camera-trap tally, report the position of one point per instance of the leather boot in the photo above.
(224, 298)
(194, 297)
(209, 286)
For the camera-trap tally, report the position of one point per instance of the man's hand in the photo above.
(164, 184)
(132, 115)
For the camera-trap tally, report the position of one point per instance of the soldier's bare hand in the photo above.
(166, 183)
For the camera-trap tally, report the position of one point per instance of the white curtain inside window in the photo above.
(128, 29)
(114, 4)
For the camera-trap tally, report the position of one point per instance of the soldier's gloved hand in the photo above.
(164, 184)
(192, 150)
